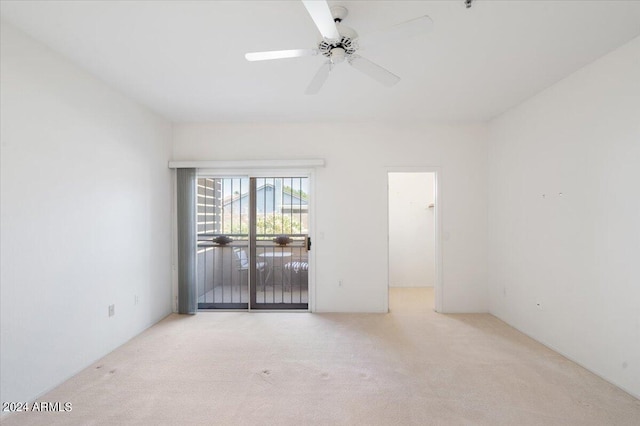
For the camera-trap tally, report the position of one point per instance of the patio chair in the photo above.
(295, 267)
(243, 264)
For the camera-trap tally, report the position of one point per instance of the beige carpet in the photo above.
(410, 367)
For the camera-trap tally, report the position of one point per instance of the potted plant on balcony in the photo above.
(222, 240)
(282, 240)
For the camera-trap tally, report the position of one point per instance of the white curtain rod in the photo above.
(247, 164)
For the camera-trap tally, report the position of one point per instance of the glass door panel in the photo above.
(223, 243)
(281, 243)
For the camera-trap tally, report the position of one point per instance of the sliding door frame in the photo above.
(252, 174)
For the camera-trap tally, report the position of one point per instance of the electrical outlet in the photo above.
(136, 299)
(339, 283)
(112, 310)
(539, 306)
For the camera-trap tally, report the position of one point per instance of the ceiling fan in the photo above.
(340, 43)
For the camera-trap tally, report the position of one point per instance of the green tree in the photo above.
(278, 224)
(273, 224)
(298, 192)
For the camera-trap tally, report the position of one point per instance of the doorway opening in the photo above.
(412, 240)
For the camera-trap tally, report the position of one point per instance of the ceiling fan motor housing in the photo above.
(347, 44)
(338, 50)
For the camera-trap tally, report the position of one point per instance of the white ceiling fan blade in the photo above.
(321, 15)
(319, 79)
(280, 54)
(398, 32)
(374, 71)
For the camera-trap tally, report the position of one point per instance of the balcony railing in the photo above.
(223, 270)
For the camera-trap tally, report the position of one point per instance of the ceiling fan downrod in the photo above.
(338, 13)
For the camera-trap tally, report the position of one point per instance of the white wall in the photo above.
(351, 198)
(85, 218)
(411, 230)
(577, 253)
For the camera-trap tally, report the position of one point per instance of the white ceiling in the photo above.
(185, 59)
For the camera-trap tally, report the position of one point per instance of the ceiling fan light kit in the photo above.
(340, 43)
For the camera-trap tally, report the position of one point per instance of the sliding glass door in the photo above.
(253, 243)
